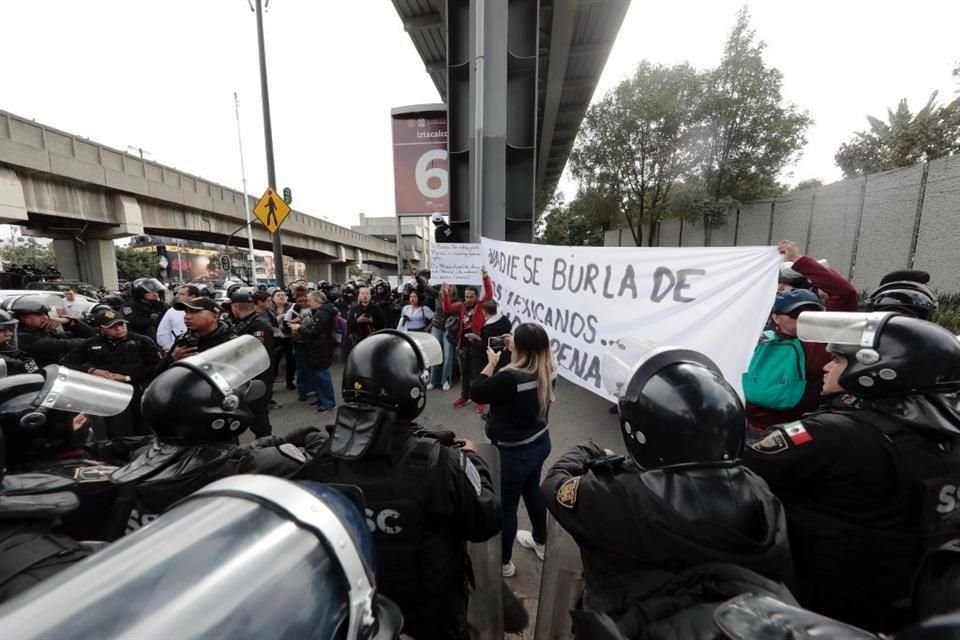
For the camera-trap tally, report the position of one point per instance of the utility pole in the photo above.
(246, 198)
(268, 141)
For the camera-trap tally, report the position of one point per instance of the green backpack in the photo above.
(776, 377)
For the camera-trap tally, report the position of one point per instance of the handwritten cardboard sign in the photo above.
(456, 263)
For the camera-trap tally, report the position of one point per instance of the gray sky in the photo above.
(161, 75)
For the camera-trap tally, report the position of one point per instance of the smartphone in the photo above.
(497, 344)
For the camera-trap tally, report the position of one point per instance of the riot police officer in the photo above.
(247, 322)
(45, 432)
(15, 360)
(30, 505)
(424, 500)
(117, 354)
(146, 307)
(42, 338)
(870, 480)
(678, 513)
(197, 408)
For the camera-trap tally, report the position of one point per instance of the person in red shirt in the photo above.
(840, 296)
(470, 350)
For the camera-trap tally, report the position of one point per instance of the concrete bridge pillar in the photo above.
(92, 260)
(13, 206)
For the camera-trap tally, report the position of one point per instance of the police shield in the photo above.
(230, 365)
(77, 392)
(244, 557)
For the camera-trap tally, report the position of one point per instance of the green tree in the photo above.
(905, 139)
(812, 183)
(582, 222)
(635, 144)
(749, 132)
(133, 264)
(28, 252)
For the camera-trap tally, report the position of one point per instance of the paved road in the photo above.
(576, 416)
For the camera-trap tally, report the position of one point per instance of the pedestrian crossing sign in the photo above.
(271, 210)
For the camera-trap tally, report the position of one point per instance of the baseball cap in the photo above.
(198, 304)
(107, 318)
(789, 301)
(437, 217)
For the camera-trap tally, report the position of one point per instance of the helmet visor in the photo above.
(231, 364)
(152, 284)
(77, 392)
(429, 347)
(841, 327)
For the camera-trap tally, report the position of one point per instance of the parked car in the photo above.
(83, 288)
(53, 299)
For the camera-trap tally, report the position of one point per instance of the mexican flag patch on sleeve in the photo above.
(797, 433)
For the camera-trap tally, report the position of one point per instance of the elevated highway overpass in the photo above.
(84, 195)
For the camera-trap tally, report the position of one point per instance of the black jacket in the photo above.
(514, 401)
(867, 487)
(316, 336)
(47, 347)
(443, 233)
(135, 356)
(425, 501)
(254, 325)
(359, 330)
(17, 361)
(144, 316)
(30, 553)
(638, 531)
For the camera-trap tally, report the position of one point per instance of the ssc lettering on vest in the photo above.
(949, 499)
(385, 521)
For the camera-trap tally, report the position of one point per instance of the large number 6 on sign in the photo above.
(423, 174)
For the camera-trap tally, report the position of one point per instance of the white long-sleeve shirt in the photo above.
(170, 328)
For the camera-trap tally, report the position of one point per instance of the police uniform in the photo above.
(640, 531)
(678, 526)
(869, 481)
(197, 422)
(29, 551)
(866, 494)
(254, 325)
(423, 500)
(144, 316)
(47, 347)
(17, 361)
(134, 356)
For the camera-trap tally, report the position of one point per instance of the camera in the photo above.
(497, 344)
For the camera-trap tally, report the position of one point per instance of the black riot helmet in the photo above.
(389, 369)
(37, 410)
(114, 301)
(675, 406)
(206, 397)
(142, 286)
(26, 305)
(905, 297)
(887, 354)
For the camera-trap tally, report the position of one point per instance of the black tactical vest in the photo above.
(100, 515)
(29, 554)
(421, 562)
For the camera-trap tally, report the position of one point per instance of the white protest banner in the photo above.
(456, 262)
(715, 300)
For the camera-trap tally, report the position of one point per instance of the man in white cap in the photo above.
(442, 231)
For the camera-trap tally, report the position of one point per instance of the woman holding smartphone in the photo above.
(519, 397)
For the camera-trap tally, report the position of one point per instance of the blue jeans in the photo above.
(441, 374)
(520, 469)
(319, 381)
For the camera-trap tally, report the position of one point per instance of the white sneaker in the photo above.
(508, 570)
(446, 386)
(525, 540)
(430, 386)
